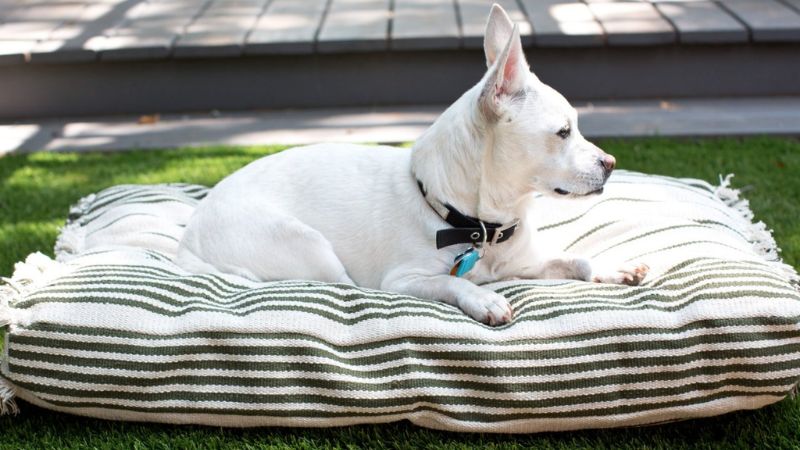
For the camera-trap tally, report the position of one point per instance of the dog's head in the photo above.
(534, 127)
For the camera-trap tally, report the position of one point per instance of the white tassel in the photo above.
(757, 233)
(7, 394)
(33, 268)
(732, 198)
(724, 190)
(6, 317)
(36, 269)
(71, 240)
(8, 291)
(82, 207)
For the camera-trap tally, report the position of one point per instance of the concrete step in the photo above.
(682, 117)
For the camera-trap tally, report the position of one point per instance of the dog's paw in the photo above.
(490, 308)
(630, 274)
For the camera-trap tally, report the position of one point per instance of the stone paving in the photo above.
(64, 31)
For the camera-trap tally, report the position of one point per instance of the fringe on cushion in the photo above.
(9, 290)
(71, 240)
(7, 394)
(36, 269)
(757, 232)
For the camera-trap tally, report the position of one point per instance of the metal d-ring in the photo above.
(483, 244)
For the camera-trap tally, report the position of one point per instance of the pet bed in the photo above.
(113, 329)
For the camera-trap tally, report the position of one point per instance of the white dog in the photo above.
(374, 216)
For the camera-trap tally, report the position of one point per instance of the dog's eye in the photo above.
(564, 132)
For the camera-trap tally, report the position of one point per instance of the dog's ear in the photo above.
(498, 31)
(508, 70)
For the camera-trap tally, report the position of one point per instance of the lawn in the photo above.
(37, 189)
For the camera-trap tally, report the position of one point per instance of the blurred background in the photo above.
(105, 74)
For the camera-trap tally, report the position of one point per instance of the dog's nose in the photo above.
(608, 162)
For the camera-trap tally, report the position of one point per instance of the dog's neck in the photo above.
(455, 161)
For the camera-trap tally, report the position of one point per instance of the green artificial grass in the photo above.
(37, 189)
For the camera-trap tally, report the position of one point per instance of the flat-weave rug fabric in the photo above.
(113, 329)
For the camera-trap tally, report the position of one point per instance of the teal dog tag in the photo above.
(465, 262)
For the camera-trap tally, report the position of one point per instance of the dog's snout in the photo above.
(608, 162)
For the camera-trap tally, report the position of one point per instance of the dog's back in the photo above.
(338, 197)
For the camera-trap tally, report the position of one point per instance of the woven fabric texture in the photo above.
(113, 329)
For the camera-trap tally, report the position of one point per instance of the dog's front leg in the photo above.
(479, 303)
(576, 268)
(631, 274)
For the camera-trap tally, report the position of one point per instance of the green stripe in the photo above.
(675, 272)
(684, 244)
(181, 286)
(95, 211)
(248, 299)
(227, 285)
(547, 300)
(678, 185)
(388, 401)
(589, 233)
(574, 289)
(708, 325)
(116, 220)
(530, 317)
(615, 199)
(195, 191)
(454, 315)
(221, 283)
(649, 233)
(395, 355)
(705, 268)
(154, 233)
(724, 225)
(621, 174)
(239, 301)
(411, 382)
(143, 192)
(103, 202)
(600, 362)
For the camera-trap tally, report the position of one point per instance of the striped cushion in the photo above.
(113, 329)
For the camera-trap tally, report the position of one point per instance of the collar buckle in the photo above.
(498, 232)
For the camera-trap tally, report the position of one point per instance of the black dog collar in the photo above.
(466, 229)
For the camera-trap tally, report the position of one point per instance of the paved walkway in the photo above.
(728, 117)
(48, 31)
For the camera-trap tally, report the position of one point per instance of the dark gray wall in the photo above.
(390, 78)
